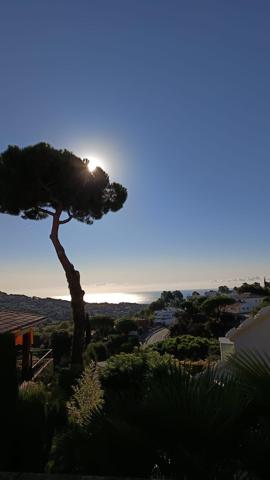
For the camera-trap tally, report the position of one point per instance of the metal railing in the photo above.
(43, 362)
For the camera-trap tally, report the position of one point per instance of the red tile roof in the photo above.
(11, 321)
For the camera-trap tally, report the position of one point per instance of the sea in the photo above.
(126, 297)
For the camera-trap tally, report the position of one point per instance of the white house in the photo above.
(165, 316)
(193, 295)
(211, 293)
(252, 334)
(245, 303)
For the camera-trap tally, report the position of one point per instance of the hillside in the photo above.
(60, 310)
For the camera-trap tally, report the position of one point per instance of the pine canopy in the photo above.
(40, 177)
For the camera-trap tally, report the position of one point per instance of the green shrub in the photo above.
(115, 342)
(61, 346)
(188, 347)
(125, 325)
(195, 366)
(101, 324)
(33, 427)
(129, 371)
(101, 351)
(187, 425)
(121, 344)
(124, 371)
(96, 351)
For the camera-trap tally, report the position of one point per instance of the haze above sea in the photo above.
(119, 297)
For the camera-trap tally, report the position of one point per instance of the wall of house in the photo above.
(226, 348)
(255, 338)
(165, 316)
(249, 304)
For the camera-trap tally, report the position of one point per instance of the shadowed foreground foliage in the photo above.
(156, 413)
(144, 410)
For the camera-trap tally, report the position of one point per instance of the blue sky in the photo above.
(174, 97)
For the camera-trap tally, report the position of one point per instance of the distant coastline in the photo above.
(58, 309)
(131, 297)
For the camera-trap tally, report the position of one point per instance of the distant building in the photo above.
(245, 303)
(252, 334)
(193, 295)
(165, 316)
(211, 293)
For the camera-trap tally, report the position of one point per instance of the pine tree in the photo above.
(38, 182)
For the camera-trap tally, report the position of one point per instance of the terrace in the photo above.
(20, 325)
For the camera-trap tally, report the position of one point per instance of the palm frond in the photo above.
(251, 371)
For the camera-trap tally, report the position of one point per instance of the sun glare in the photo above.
(94, 162)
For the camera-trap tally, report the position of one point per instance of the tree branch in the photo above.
(66, 264)
(61, 222)
(48, 212)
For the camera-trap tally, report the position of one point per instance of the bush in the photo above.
(101, 351)
(125, 325)
(124, 371)
(121, 344)
(96, 351)
(187, 347)
(195, 367)
(129, 371)
(61, 346)
(187, 425)
(101, 324)
(34, 436)
(115, 342)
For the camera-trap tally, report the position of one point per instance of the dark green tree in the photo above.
(223, 289)
(172, 299)
(190, 307)
(125, 325)
(166, 297)
(177, 298)
(253, 288)
(38, 182)
(216, 305)
(102, 324)
(156, 305)
(96, 351)
(61, 346)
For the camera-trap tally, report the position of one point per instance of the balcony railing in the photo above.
(38, 365)
(38, 361)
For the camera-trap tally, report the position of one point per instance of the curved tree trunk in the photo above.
(76, 293)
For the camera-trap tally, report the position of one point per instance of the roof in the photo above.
(234, 306)
(250, 322)
(11, 321)
(251, 295)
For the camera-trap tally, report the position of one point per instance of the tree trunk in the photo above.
(76, 293)
(87, 330)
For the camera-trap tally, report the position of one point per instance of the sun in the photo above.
(94, 162)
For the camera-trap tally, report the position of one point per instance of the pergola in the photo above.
(20, 325)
